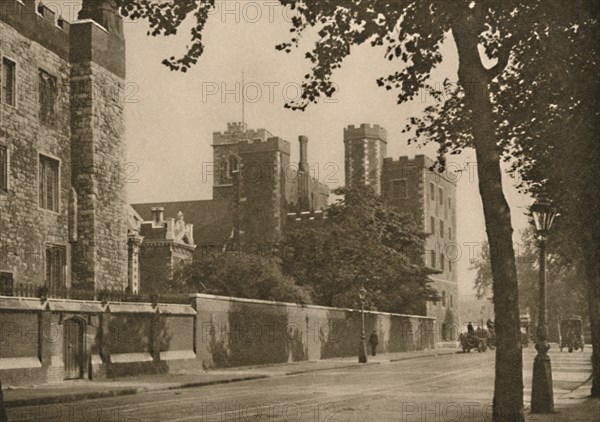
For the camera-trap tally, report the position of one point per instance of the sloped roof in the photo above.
(212, 220)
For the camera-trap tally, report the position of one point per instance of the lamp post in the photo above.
(542, 396)
(362, 347)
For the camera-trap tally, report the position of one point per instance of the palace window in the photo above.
(232, 166)
(443, 298)
(48, 183)
(8, 81)
(56, 266)
(441, 195)
(3, 168)
(431, 191)
(450, 233)
(433, 263)
(441, 228)
(399, 188)
(48, 96)
(432, 225)
(442, 261)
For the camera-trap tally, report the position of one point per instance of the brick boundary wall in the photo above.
(120, 339)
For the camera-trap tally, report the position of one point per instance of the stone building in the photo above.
(410, 186)
(62, 194)
(254, 187)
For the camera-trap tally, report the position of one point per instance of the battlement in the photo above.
(38, 23)
(365, 131)
(237, 132)
(274, 143)
(408, 166)
(96, 36)
(237, 127)
(306, 217)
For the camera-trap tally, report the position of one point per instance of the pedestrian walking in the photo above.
(470, 329)
(373, 341)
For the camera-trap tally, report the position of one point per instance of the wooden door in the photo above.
(73, 348)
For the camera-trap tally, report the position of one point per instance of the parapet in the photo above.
(237, 132)
(38, 23)
(81, 41)
(273, 143)
(365, 131)
(408, 166)
(237, 127)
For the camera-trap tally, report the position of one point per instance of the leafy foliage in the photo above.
(240, 275)
(362, 242)
(565, 282)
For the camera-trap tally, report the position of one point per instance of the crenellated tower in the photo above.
(365, 149)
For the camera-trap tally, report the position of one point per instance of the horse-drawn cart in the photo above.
(570, 334)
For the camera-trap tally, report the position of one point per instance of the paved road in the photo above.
(455, 387)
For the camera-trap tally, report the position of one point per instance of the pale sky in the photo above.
(170, 116)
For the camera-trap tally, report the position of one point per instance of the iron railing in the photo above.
(104, 295)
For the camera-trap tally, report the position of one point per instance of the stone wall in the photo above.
(237, 332)
(118, 339)
(86, 138)
(25, 228)
(99, 158)
(121, 339)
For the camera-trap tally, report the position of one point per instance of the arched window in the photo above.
(233, 164)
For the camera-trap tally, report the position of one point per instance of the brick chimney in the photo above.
(303, 164)
(103, 12)
(158, 214)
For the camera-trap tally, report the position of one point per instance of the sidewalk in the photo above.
(70, 391)
(576, 406)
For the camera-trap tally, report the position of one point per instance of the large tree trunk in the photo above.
(593, 281)
(474, 79)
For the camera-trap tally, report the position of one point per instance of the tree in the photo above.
(555, 126)
(508, 32)
(240, 275)
(362, 242)
(566, 285)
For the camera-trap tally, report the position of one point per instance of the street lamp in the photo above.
(542, 396)
(362, 347)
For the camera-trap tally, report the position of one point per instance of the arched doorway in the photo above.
(73, 351)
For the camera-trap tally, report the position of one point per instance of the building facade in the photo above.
(254, 187)
(412, 187)
(62, 194)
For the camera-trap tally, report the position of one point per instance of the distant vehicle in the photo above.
(525, 322)
(478, 341)
(571, 334)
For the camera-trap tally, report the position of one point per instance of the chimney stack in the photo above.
(303, 164)
(158, 215)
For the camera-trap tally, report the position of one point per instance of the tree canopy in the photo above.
(240, 275)
(361, 242)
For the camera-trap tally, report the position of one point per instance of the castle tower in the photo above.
(364, 148)
(97, 55)
(262, 189)
(226, 159)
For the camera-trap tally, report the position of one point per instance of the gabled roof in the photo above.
(212, 220)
